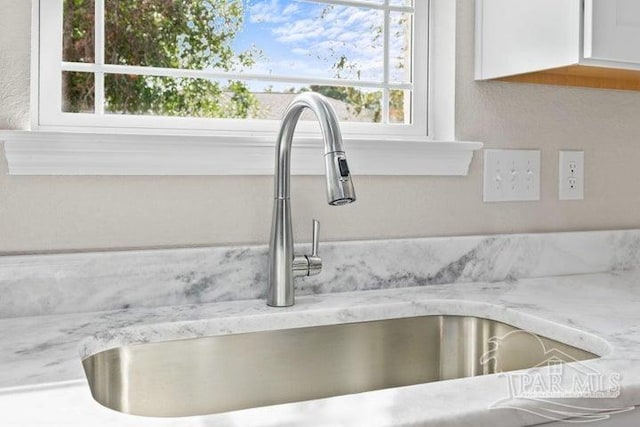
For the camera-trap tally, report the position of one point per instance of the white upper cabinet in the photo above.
(520, 36)
(576, 42)
(612, 30)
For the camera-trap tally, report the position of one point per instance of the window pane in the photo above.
(174, 34)
(185, 97)
(78, 92)
(315, 39)
(351, 104)
(188, 97)
(287, 37)
(79, 24)
(400, 106)
(400, 49)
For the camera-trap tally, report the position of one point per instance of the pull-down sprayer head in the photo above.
(340, 189)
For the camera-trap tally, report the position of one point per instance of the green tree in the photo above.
(191, 34)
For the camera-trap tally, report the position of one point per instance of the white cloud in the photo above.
(266, 12)
(351, 32)
(271, 12)
(297, 31)
(290, 9)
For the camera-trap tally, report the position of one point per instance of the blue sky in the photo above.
(306, 38)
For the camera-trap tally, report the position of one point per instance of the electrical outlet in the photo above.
(511, 175)
(571, 175)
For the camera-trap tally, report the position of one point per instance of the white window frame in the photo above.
(50, 117)
(78, 144)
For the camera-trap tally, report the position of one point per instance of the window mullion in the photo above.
(386, 42)
(208, 74)
(368, 5)
(99, 55)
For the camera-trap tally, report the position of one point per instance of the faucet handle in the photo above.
(309, 265)
(314, 260)
(315, 242)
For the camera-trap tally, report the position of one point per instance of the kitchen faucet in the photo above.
(284, 265)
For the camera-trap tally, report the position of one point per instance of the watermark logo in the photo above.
(557, 385)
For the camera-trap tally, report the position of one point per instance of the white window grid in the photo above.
(50, 67)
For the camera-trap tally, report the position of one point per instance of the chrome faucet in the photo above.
(283, 264)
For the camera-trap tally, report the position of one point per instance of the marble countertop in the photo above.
(41, 380)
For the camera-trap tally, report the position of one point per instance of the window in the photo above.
(195, 87)
(213, 64)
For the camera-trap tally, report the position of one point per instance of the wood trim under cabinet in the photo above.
(582, 76)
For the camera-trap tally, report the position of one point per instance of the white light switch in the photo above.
(511, 175)
(571, 175)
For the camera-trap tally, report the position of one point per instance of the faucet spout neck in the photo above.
(329, 127)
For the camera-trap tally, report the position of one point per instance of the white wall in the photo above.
(15, 22)
(62, 213)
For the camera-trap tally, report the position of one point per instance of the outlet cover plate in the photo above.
(571, 175)
(511, 175)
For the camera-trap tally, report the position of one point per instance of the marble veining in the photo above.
(575, 309)
(579, 288)
(70, 283)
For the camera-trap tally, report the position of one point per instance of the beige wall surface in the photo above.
(79, 213)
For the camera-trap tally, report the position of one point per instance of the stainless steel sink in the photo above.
(223, 373)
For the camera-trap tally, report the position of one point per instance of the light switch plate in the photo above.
(511, 175)
(571, 175)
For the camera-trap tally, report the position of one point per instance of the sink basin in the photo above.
(223, 373)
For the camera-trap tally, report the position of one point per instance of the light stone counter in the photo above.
(598, 312)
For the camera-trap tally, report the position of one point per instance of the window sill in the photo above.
(57, 153)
